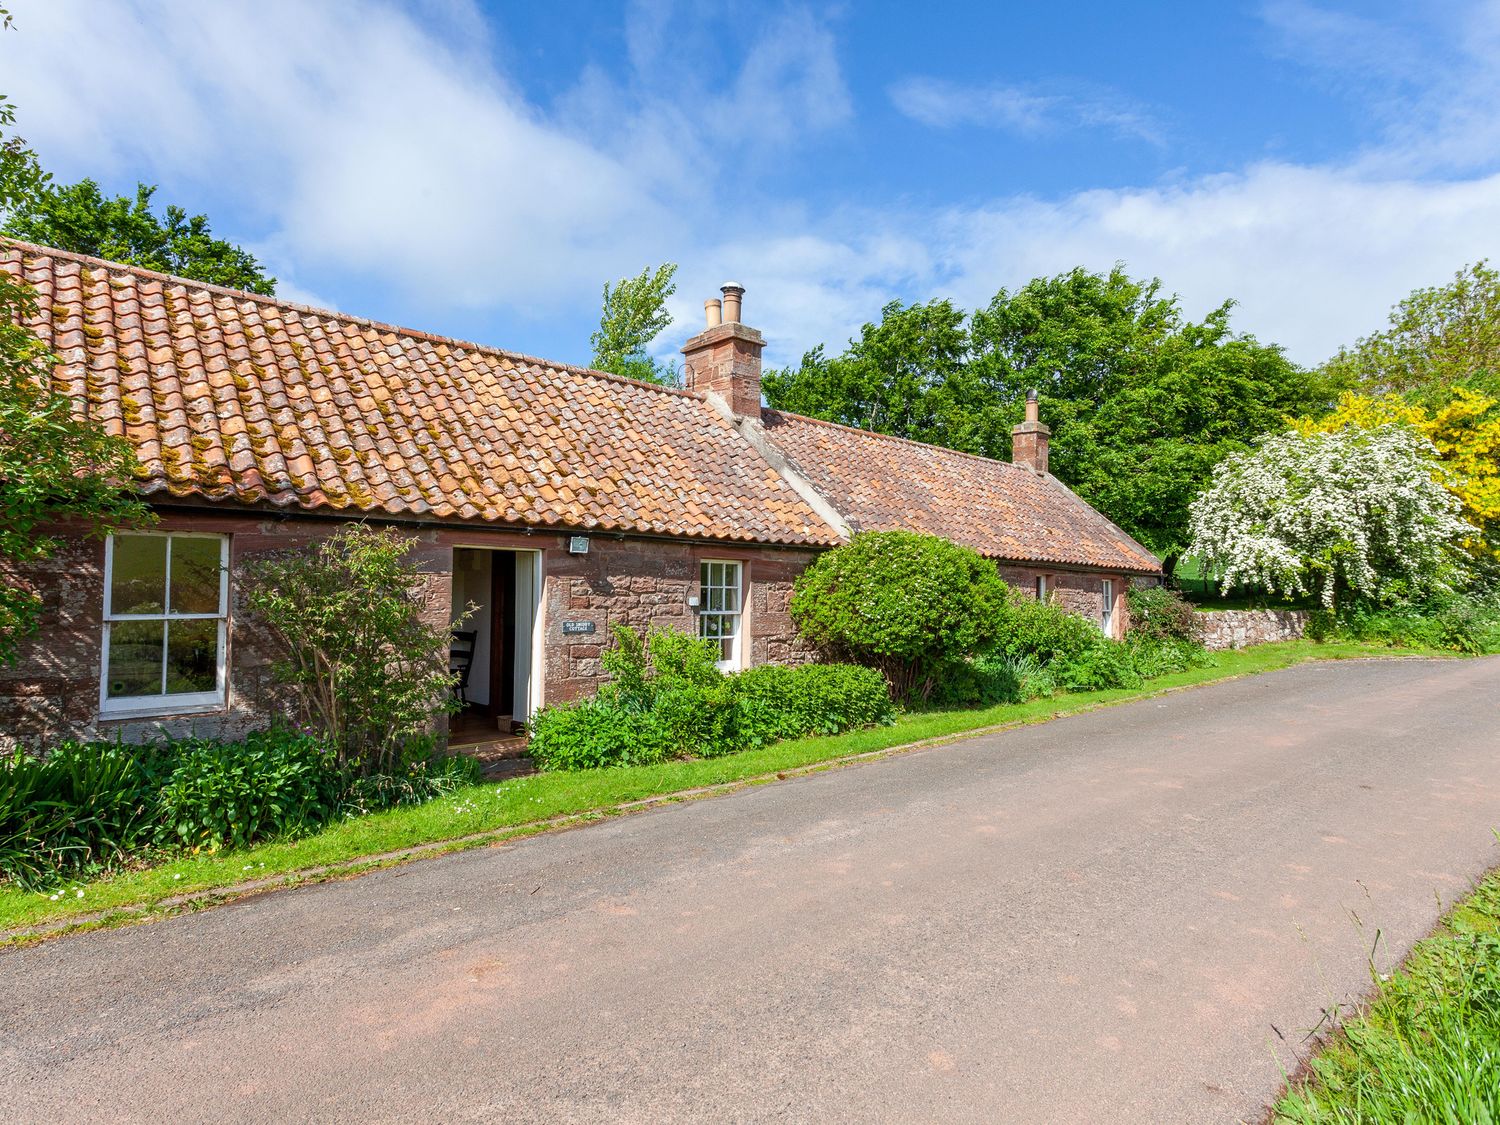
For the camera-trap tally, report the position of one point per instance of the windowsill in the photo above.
(161, 708)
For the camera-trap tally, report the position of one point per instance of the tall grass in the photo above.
(1427, 1049)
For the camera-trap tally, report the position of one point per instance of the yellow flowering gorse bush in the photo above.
(1466, 433)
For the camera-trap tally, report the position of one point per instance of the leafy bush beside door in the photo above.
(371, 674)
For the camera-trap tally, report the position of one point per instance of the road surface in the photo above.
(1133, 914)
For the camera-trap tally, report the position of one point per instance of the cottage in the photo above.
(556, 499)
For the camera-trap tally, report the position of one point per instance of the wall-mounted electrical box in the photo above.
(578, 545)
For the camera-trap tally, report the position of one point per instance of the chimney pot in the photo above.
(1032, 410)
(732, 291)
(713, 312)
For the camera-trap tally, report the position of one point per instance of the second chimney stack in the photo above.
(1029, 440)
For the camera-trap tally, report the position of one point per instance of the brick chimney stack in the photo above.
(1029, 440)
(724, 359)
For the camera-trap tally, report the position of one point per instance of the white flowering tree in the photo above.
(1358, 511)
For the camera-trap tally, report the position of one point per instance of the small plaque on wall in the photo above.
(577, 628)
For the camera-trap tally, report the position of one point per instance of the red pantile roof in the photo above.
(230, 396)
(1005, 511)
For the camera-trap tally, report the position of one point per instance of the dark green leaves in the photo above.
(81, 218)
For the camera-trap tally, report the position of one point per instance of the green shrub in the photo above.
(370, 672)
(908, 605)
(1101, 667)
(666, 699)
(87, 807)
(423, 775)
(1159, 657)
(640, 667)
(1455, 622)
(232, 794)
(983, 681)
(1159, 613)
(1045, 630)
(82, 808)
(777, 703)
(592, 734)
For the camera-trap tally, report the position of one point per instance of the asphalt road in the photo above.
(1134, 914)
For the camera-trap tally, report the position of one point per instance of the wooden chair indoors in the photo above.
(461, 660)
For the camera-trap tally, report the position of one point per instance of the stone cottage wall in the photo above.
(1236, 628)
(51, 692)
(1077, 592)
(645, 584)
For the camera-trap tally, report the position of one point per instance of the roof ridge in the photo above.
(904, 440)
(1048, 478)
(348, 318)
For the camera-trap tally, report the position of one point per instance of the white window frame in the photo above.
(735, 660)
(181, 702)
(1041, 587)
(1107, 617)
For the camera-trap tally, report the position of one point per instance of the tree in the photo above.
(370, 672)
(1152, 443)
(1142, 402)
(1353, 512)
(1465, 431)
(908, 605)
(634, 314)
(81, 218)
(907, 376)
(1439, 337)
(56, 466)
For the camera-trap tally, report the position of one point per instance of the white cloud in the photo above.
(948, 105)
(1430, 78)
(358, 141)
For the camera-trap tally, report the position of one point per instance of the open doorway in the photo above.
(495, 647)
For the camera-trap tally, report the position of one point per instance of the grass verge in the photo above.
(1427, 1047)
(481, 814)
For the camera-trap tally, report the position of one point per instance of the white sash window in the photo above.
(166, 609)
(719, 609)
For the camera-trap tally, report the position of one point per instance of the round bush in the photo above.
(902, 603)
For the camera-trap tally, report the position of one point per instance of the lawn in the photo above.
(1207, 594)
(484, 813)
(1427, 1047)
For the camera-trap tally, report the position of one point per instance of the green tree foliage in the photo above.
(634, 314)
(1142, 402)
(908, 376)
(56, 468)
(1439, 337)
(82, 218)
(370, 672)
(908, 605)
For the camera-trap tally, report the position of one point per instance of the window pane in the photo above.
(195, 575)
(139, 577)
(713, 599)
(134, 659)
(732, 587)
(192, 656)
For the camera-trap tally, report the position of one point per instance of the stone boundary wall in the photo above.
(1236, 628)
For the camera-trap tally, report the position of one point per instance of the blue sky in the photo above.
(480, 169)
